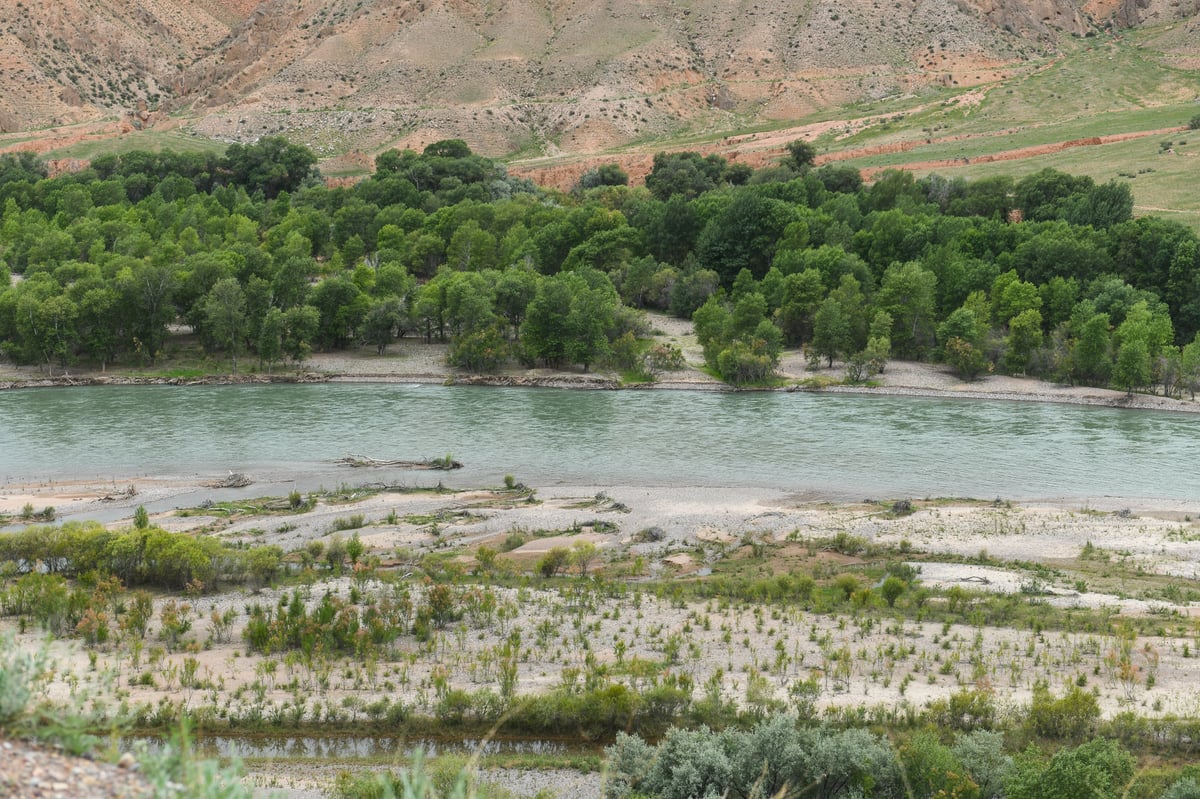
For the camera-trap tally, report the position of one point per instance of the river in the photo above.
(822, 444)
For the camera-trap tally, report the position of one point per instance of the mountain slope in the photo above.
(538, 77)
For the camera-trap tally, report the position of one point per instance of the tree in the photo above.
(545, 330)
(1186, 787)
(582, 555)
(711, 322)
(743, 235)
(1099, 769)
(831, 332)
(300, 331)
(270, 338)
(594, 305)
(146, 292)
(1012, 296)
(802, 296)
(272, 165)
(801, 154)
(604, 175)
(686, 174)
(225, 316)
(478, 351)
(514, 290)
(1132, 369)
(448, 148)
(383, 322)
(1189, 367)
(1024, 338)
(1091, 360)
(341, 306)
(908, 293)
(966, 359)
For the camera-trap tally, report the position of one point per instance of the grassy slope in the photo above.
(1098, 87)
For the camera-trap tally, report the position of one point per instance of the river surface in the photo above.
(821, 444)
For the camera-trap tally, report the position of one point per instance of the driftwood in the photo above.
(126, 493)
(233, 480)
(443, 464)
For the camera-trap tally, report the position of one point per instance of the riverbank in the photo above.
(414, 361)
(1068, 565)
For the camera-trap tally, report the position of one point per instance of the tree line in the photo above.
(1048, 275)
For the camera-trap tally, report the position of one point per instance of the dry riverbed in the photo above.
(1139, 560)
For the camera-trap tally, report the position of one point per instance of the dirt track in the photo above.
(772, 148)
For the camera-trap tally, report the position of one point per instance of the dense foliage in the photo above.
(1047, 275)
(779, 759)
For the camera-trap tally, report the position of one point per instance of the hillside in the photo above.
(558, 77)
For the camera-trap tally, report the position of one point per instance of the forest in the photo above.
(1049, 275)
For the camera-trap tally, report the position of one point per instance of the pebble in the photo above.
(34, 771)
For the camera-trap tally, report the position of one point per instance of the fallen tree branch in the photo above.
(358, 461)
(234, 480)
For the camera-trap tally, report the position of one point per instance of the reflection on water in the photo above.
(350, 747)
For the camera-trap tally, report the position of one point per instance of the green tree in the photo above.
(1091, 358)
(1132, 369)
(802, 296)
(967, 360)
(1189, 369)
(743, 235)
(384, 321)
(270, 338)
(1024, 339)
(831, 332)
(272, 165)
(300, 331)
(684, 174)
(604, 175)
(801, 154)
(908, 293)
(225, 316)
(341, 306)
(547, 327)
(146, 292)
(891, 590)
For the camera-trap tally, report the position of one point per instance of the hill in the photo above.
(356, 76)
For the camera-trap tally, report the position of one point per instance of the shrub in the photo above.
(554, 561)
(18, 671)
(891, 590)
(1070, 717)
(846, 584)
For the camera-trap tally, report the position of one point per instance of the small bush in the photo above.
(18, 670)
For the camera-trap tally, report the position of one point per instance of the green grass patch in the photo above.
(148, 140)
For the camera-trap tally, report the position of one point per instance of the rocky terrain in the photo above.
(564, 76)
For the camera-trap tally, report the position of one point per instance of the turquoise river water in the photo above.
(823, 444)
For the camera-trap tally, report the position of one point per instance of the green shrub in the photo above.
(1070, 717)
(18, 671)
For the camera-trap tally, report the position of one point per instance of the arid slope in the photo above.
(540, 78)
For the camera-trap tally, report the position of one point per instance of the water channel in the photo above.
(822, 444)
